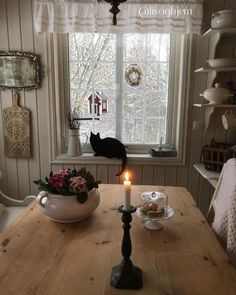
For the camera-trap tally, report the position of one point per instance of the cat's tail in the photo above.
(124, 161)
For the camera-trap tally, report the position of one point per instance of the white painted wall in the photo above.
(16, 33)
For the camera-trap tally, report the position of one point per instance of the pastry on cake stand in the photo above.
(153, 222)
(154, 209)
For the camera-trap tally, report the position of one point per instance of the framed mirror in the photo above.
(19, 70)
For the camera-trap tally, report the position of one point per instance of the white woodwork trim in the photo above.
(135, 159)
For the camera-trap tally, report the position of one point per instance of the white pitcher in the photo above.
(74, 145)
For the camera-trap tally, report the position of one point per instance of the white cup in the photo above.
(229, 120)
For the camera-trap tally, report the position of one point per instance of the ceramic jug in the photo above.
(74, 145)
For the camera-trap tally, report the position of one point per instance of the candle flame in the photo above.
(126, 175)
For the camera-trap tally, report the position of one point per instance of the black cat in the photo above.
(109, 148)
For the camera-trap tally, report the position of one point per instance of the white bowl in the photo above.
(224, 19)
(67, 209)
(217, 94)
(222, 62)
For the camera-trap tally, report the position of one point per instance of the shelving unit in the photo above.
(211, 32)
(211, 176)
(208, 105)
(210, 109)
(217, 70)
(215, 36)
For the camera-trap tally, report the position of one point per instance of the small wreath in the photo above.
(133, 75)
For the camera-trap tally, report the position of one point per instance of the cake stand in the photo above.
(153, 223)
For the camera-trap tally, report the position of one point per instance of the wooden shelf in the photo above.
(219, 69)
(211, 32)
(207, 105)
(211, 176)
(210, 109)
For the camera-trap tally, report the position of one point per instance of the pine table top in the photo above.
(42, 257)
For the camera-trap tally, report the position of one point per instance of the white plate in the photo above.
(222, 62)
(169, 212)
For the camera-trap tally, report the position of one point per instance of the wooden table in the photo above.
(41, 257)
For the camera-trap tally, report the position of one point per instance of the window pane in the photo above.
(98, 63)
(92, 82)
(134, 47)
(145, 106)
(158, 47)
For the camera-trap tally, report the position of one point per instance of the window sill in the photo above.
(133, 159)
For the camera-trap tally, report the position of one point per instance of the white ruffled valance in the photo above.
(161, 16)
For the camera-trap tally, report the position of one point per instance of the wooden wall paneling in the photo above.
(14, 29)
(171, 176)
(217, 5)
(135, 173)
(42, 97)
(193, 183)
(206, 15)
(230, 4)
(102, 173)
(26, 37)
(27, 32)
(92, 169)
(231, 136)
(196, 136)
(204, 195)
(4, 45)
(53, 168)
(159, 177)
(148, 175)
(182, 176)
(14, 33)
(220, 132)
(77, 166)
(69, 166)
(112, 171)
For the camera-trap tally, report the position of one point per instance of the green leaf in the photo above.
(40, 182)
(82, 197)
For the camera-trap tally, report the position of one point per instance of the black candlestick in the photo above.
(126, 275)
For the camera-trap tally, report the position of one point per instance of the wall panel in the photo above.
(16, 33)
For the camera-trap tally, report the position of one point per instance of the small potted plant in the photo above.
(68, 195)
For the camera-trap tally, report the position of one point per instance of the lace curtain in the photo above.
(160, 16)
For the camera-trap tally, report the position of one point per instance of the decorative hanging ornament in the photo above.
(114, 8)
(133, 75)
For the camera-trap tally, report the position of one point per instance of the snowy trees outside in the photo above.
(136, 114)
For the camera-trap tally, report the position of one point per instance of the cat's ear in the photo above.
(98, 134)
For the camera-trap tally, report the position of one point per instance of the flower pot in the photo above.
(74, 145)
(67, 209)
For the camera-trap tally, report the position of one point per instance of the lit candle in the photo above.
(127, 186)
(160, 146)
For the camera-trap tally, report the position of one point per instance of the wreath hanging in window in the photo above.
(133, 75)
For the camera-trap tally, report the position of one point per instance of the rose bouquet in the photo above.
(69, 182)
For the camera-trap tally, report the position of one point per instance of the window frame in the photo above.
(59, 103)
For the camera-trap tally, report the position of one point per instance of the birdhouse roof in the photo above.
(98, 94)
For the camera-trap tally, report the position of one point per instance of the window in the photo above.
(100, 90)
(90, 69)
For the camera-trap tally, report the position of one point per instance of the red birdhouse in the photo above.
(98, 103)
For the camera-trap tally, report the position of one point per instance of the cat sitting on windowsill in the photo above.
(110, 148)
